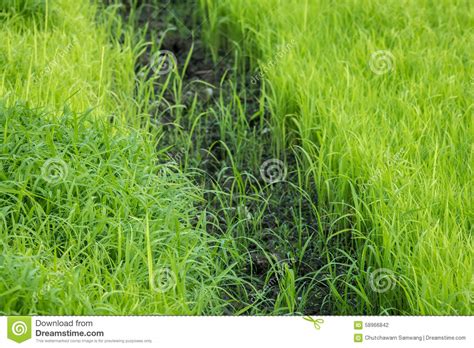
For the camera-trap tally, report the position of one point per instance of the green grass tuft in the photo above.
(91, 224)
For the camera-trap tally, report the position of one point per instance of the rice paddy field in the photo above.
(236, 157)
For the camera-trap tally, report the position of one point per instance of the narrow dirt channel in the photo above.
(216, 125)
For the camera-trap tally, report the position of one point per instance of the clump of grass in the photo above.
(388, 146)
(91, 224)
(61, 58)
(97, 219)
(271, 235)
(23, 7)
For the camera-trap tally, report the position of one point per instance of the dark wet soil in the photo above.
(289, 215)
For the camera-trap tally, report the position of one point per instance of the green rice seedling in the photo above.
(84, 61)
(23, 7)
(325, 168)
(91, 224)
(379, 97)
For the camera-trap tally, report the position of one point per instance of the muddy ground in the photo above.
(178, 27)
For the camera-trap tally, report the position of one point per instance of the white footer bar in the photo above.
(163, 331)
